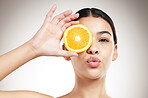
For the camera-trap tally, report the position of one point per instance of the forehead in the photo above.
(96, 24)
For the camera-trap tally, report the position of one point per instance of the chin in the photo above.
(95, 74)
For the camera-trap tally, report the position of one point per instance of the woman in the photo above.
(90, 66)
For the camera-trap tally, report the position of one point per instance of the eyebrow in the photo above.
(102, 32)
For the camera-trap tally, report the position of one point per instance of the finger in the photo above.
(69, 24)
(65, 53)
(50, 13)
(61, 16)
(68, 19)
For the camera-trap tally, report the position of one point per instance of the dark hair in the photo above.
(94, 12)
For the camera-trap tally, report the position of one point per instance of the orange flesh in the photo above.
(75, 32)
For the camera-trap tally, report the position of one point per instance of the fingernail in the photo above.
(77, 14)
(70, 11)
(75, 54)
(54, 5)
(77, 21)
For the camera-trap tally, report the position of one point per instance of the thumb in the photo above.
(65, 53)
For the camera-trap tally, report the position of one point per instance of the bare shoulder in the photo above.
(22, 94)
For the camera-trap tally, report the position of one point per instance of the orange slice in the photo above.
(77, 38)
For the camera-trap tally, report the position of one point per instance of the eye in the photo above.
(103, 40)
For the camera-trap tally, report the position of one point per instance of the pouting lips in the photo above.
(93, 62)
(93, 59)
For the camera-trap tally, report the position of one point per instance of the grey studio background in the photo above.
(127, 76)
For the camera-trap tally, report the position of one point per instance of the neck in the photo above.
(89, 88)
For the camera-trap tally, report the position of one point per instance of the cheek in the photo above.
(78, 62)
(106, 48)
(106, 52)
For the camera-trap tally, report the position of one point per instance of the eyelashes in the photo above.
(103, 40)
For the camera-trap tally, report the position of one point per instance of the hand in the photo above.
(46, 41)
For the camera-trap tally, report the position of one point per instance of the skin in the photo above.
(89, 82)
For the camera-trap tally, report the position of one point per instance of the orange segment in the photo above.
(77, 38)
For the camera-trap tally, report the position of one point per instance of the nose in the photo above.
(93, 50)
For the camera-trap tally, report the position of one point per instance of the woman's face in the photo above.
(94, 62)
